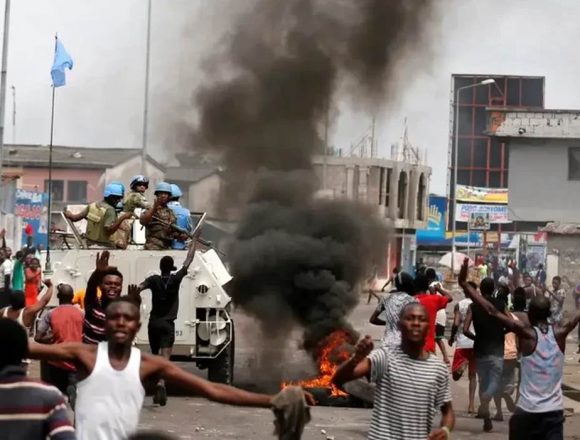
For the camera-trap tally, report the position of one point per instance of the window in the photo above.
(388, 186)
(480, 121)
(479, 178)
(495, 179)
(495, 154)
(533, 92)
(402, 194)
(77, 191)
(421, 193)
(574, 163)
(57, 190)
(513, 91)
(464, 153)
(480, 153)
(465, 121)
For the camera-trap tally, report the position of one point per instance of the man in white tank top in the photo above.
(110, 392)
(539, 413)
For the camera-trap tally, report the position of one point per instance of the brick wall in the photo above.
(535, 124)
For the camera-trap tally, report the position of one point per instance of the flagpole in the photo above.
(48, 266)
(3, 91)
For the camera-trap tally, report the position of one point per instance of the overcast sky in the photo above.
(102, 104)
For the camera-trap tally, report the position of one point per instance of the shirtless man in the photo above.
(110, 393)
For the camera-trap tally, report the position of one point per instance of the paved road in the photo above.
(262, 365)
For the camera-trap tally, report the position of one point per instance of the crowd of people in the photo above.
(498, 328)
(509, 332)
(88, 356)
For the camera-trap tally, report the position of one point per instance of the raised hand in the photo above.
(133, 290)
(363, 348)
(103, 262)
(463, 272)
(47, 282)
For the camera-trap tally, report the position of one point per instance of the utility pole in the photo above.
(146, 101)
(13, 115)
(3, 89)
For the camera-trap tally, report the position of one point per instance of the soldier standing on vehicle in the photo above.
(136, 198)
(182, 215)
(102, 219)
(164, 306)
(159, 221)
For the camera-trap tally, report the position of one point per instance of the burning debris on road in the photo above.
(331, 352)
(298, 260)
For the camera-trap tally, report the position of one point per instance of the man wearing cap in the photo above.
(102, 219)
(164, 306)
(160, 220)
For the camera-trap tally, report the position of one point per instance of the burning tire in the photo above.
(221, 369)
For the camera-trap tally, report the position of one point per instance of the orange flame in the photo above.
(328, 361)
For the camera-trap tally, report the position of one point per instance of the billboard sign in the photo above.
(477, 194)
(498, 214)
(32, 208)
(435, 234)
(479, 221)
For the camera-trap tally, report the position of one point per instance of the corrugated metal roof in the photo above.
(562, 228)
(67, 157)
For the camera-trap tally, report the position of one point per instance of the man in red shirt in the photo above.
(61, 324)
(433, 303)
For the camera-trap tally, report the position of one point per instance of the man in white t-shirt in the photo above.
(412, 384)
(5, 275)
(464, 356)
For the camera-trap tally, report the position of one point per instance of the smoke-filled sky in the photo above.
(102, 104)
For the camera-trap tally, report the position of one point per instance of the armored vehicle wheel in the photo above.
(221, 369)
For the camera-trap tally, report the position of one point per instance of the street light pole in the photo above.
(146, 100)
(455, 163)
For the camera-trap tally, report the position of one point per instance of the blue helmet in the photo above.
(139, 180)
(163, 187)
(121, 184)
(113, 189)
(175, 191)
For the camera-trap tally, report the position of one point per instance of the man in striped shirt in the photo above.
(412, 384)
(29, 409)
(110, 282)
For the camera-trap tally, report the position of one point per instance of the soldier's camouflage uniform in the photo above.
(158, 236)
(135, 200)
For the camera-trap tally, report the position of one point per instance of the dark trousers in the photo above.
(4, 298)
(537, 426)
(64, 380)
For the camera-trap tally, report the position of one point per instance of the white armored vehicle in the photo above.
(204, 330)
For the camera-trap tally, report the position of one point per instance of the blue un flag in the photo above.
(62, 60)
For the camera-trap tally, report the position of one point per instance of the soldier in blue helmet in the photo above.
(160, 221)
(102, 219)
(182, 215)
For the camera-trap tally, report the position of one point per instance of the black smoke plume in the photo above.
(297, 259)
